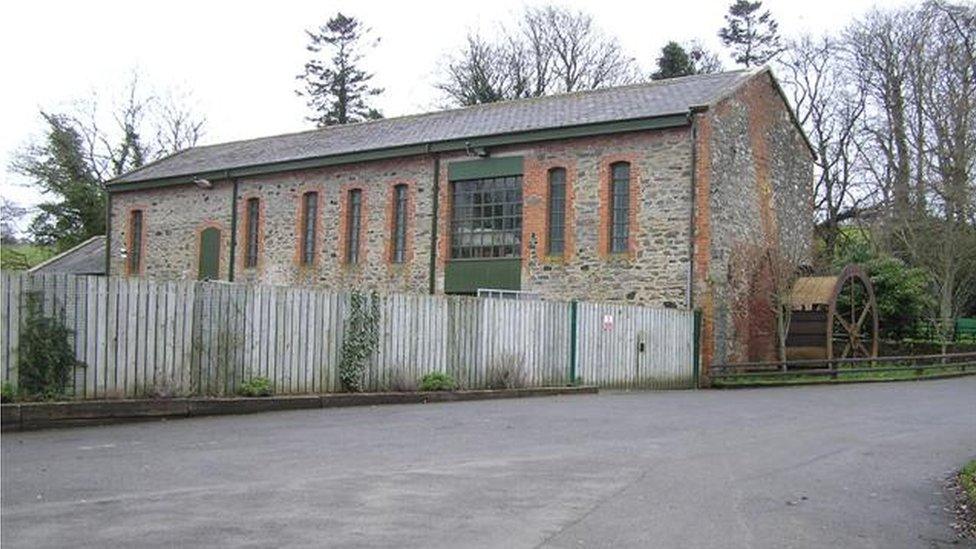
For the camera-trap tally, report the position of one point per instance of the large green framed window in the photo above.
(486, 218)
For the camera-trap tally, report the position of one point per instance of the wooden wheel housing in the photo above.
(834, 316)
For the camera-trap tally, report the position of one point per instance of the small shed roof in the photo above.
(87, 258)
(812, 290)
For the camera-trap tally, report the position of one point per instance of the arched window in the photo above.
(399, 226)
(353, 225)
(310, 207)
(135, 242)
(557, 211)
(253, 214)
(619, 207)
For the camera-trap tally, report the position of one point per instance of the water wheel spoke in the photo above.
(863, 317)
(847, 327)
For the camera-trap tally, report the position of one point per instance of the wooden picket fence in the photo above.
(137, 337)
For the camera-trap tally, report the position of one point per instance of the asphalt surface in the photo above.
(842, 466)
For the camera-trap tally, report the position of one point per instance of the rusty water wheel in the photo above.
(852, 316)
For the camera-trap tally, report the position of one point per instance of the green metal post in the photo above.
(696, 353)
(572, 342)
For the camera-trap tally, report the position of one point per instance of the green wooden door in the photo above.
(209, 254)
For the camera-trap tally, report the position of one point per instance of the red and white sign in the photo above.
(607, 322)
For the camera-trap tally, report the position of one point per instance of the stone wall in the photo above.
(173, 218)
(753, 179)
(175, 215)
(655, 269)
(758, 175)
(653, 272)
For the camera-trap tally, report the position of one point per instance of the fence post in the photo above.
(696, 350)
(572, 341)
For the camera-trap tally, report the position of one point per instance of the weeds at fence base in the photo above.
(437, 381)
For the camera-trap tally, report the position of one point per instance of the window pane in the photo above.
(253, 211)
(135, 232)
(620, 207)
(353, 226)
(557, 211)
(399, 223)
(310, 206)
(491, 227)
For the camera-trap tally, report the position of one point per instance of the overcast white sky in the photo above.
(239, 59)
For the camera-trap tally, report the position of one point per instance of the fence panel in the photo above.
(627, 346)
(139, 337)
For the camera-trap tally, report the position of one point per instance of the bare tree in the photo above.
(10, 215)
(551, 50)
(831, 110)
(91, 143)
(480, 73)
(918, 71)
(705, 60)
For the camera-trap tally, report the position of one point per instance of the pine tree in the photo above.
(337, 88)
(673, 61)
(753, 36)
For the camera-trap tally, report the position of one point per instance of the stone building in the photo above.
(637, 194)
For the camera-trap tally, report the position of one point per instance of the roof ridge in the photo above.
(479, 106)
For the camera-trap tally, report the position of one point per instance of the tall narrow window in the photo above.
(353, 225)
(135, 242)
(399, 236)
(557, 211)
(620, 207)
(253, 213)
(310, 206)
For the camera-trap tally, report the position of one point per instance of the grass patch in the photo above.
(967, 478)
(20, 257)
(800, 379)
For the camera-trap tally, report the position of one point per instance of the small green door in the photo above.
(209, 254)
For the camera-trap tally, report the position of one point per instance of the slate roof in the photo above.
(640, 101)
(87, 258)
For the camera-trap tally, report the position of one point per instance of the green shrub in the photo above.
(7, 393)
(902, 291)
(968, 480)
(361, 339)
(255, 387)
(46, 362)
(437, 381)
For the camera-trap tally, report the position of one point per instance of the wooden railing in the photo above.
(917, 366)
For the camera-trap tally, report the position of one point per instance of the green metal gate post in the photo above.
(572, 342)
(696, 352)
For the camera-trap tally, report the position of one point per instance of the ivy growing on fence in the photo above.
(360, 341)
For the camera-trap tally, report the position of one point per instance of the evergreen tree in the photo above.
(59, 168)
(751, 34)
(336, 87)
(674, 61)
